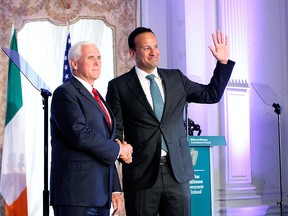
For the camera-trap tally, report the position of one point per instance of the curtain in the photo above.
(42, 45)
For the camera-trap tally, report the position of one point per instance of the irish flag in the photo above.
(13, 174)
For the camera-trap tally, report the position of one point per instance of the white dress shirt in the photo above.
(145, 83)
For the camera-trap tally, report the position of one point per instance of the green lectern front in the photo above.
(201, 185)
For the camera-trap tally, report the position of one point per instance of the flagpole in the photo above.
(45, 95)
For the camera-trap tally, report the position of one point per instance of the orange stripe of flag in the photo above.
(19, 207)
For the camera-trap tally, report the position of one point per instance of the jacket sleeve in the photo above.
(212, 92)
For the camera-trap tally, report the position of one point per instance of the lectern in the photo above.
(201, 187)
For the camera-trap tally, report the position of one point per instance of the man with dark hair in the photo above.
(148, 103)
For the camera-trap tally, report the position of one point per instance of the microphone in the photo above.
(192, 127)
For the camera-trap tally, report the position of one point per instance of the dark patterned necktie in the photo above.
(158, 103)
(98, 99)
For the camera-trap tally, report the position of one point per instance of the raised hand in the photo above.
(221, 49)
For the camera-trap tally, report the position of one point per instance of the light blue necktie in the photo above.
(158, 104)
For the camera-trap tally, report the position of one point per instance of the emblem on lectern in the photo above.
(194, 155)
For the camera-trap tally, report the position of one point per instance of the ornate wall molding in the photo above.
(120, 15)
(233, 19)
(236, 193)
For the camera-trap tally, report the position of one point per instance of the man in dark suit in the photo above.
(84, 179)
(157, 181)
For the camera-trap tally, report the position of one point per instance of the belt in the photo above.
(163, 160)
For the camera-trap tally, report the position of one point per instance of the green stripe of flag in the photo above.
(14, 88)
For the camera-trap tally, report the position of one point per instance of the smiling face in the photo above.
(146, 53)
(88, 66)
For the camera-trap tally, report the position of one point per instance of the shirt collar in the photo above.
(85, 84)
(142, 74)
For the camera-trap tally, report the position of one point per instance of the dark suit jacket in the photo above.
(142, 130)
(83, 169)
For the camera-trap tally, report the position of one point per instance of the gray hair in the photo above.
(75, 51)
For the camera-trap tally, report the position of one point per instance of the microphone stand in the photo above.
(45, 95)
(265, 91)
(277, 110)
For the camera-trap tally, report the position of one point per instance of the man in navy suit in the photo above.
(84, 179)
(157, 181)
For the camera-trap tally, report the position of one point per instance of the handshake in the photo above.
(126, 151)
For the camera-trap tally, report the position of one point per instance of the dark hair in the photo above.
(133, 34)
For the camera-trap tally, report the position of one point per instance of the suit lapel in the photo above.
(136, 88)
(89, 96)
(165, 83)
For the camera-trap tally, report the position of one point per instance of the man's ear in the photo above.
(74, 64)
(132, 53)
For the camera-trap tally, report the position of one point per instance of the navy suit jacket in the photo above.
(136, 119)
(84, 152)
